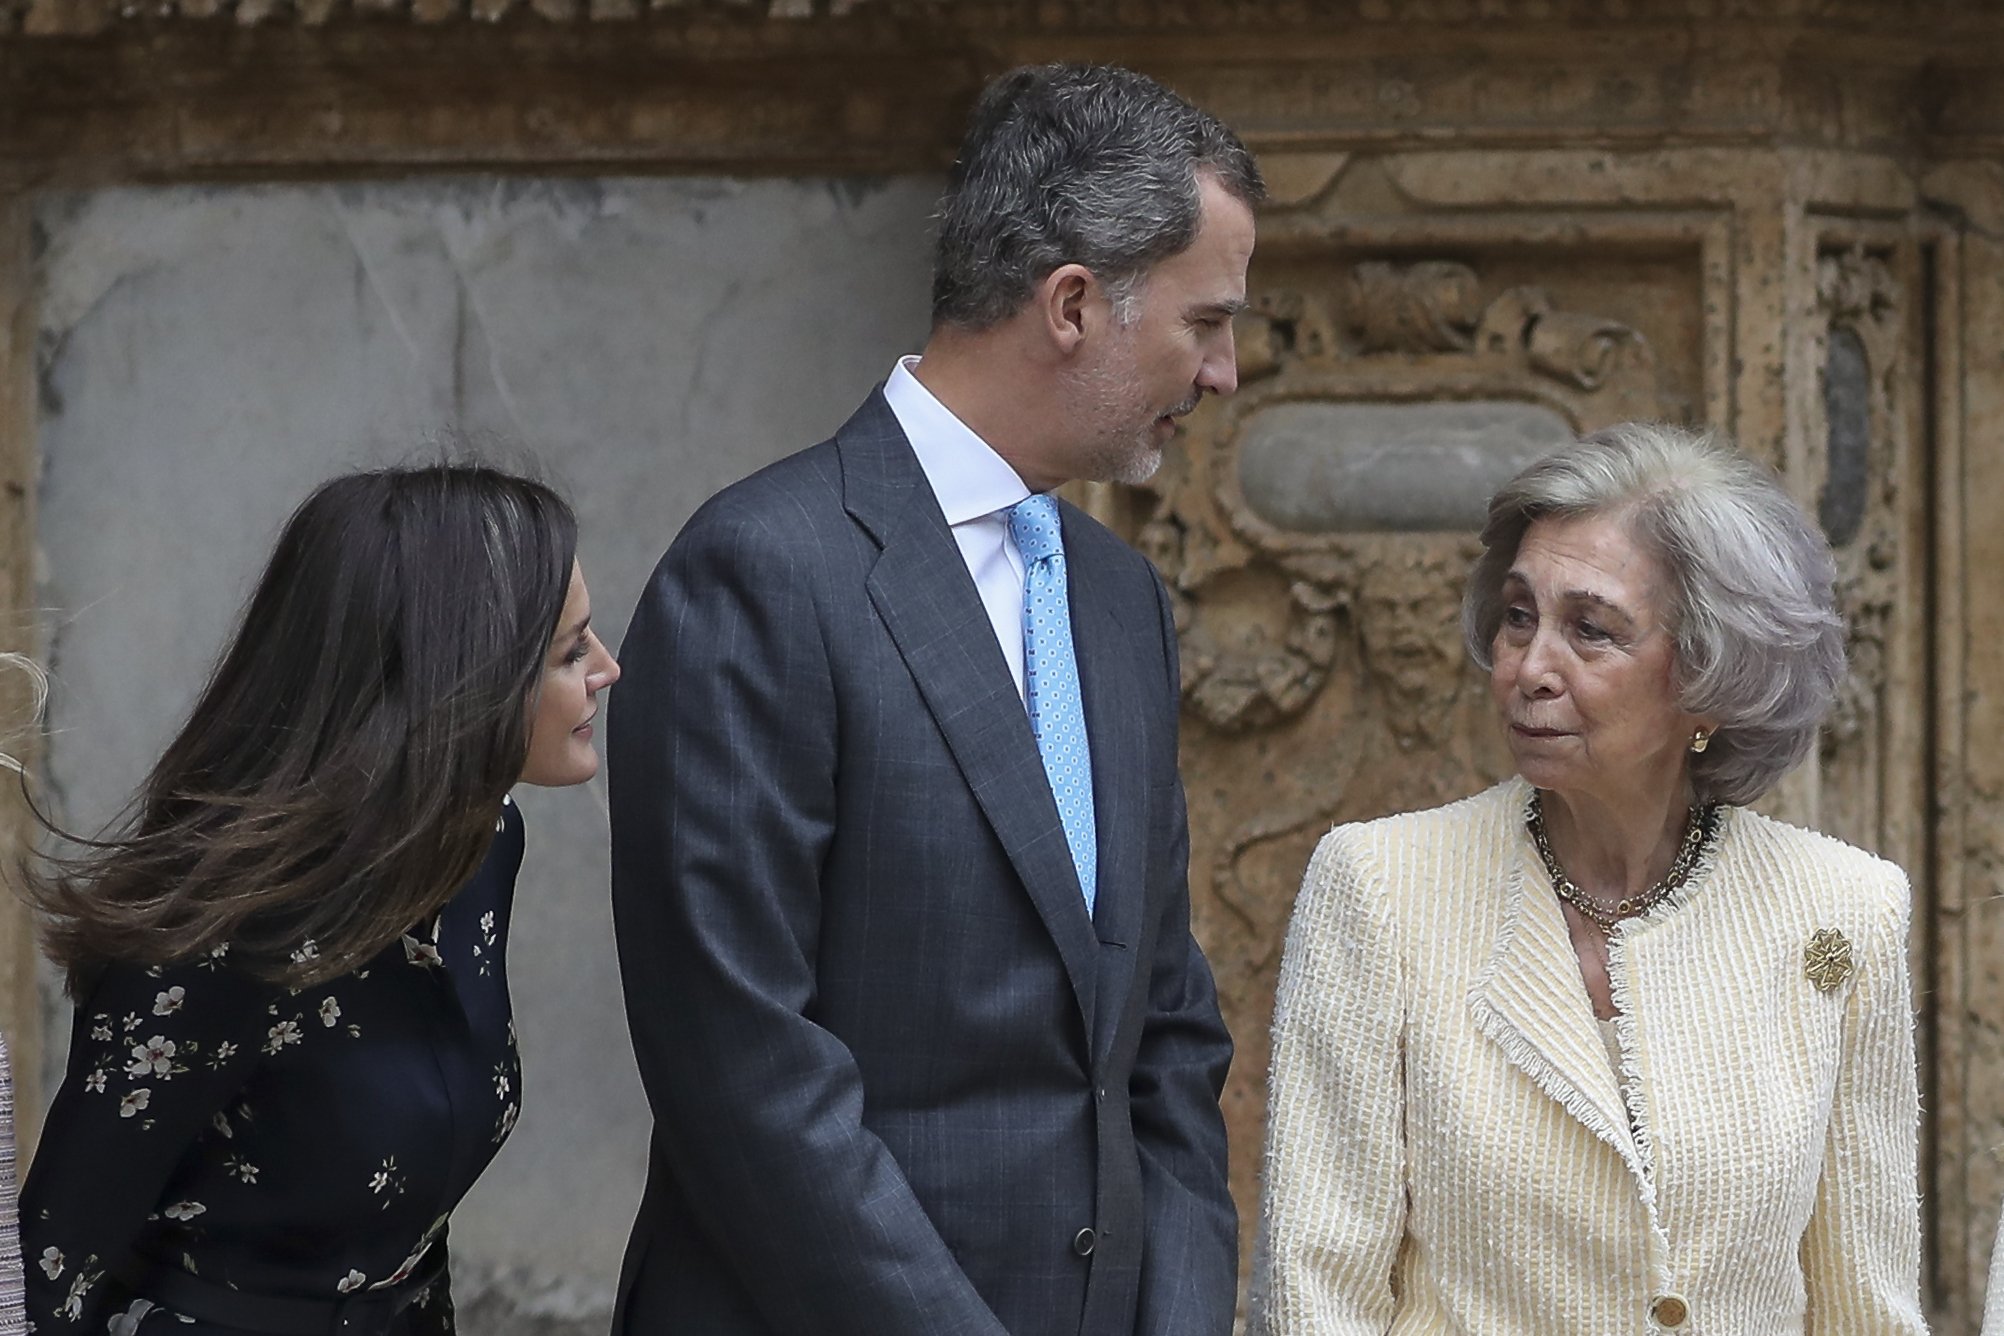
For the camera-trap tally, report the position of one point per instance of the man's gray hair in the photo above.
(1074, 164)
(1758, 639)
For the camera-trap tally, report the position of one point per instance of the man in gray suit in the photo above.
(899, 848)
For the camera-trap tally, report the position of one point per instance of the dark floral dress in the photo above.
(303, 1145)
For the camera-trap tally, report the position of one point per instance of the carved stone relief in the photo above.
(1863, 440)
(1315, 531)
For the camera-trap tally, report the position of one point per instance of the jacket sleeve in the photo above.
(1861, 1253)
(154, 1056)
(1190, 1249)
(1332, 1214)
(723, 757)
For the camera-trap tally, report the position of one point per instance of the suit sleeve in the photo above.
(1861, 1253)
(1332, 1214)
(1190, 1250)
(154, 1056)
(722, 770)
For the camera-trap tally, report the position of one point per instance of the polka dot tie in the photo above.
(1051, 680)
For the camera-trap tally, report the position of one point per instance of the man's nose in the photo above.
(1220, 372)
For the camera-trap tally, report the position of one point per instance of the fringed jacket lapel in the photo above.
(1531, 1001)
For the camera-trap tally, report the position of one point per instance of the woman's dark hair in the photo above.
(340, 775)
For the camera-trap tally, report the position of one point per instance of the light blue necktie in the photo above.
(1051, 680)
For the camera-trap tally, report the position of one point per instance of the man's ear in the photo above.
(1064, 301)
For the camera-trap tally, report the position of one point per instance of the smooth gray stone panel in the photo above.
(1370, 467)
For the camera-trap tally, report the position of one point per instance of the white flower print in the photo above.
(387, 1182)
(131, 1021)
(224, 1052)
(95, 1082)
(52, 1262)
(283, 1033)
(501, 1085)
(351, 1282)
(134, 1101)
(330, 1012)
(486, 932)
(127, 1323)
(242, 1168)
(100, 1029)
(155, 1057)
(308, 950)
(221, 1122)
(422, 954)
(184, 1210)
(505, 1124)
(169, 1002)
(80, 1284)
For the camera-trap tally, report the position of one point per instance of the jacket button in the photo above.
(1082, 1242)
(1669, 1310)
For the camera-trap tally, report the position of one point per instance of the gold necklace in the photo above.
(1699, 827)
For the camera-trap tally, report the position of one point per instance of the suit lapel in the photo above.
(1115, 737)
(922, 591)
(1531, 1001)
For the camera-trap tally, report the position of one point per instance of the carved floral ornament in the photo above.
(1375, 416)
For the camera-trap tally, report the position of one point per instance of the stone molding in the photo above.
(56, 18)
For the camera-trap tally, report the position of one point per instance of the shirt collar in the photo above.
(967, 476)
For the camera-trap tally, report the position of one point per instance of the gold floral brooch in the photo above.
(1827, 959)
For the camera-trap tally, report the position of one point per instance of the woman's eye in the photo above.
(578, 651)
(1517, 617)
(1592, 631)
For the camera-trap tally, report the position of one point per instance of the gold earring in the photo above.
(1700, 740)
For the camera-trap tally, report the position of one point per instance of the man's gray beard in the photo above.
(1130, 462)
(1137, 468)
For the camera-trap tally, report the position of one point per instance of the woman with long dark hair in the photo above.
(293, 1049)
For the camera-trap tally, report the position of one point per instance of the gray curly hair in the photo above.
(1758, 638)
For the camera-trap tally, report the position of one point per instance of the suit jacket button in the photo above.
(1082, 1242)
(1669, 1310)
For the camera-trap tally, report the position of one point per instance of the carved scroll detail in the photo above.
(1381, 332)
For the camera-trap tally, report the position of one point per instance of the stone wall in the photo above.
(1493, 221)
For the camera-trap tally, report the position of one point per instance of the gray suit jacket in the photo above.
(903, 1084)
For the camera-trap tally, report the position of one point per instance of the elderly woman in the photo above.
(1600, 1050)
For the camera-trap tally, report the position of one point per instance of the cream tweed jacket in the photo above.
(1450, 1152)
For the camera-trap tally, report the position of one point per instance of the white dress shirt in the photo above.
(975, 487)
